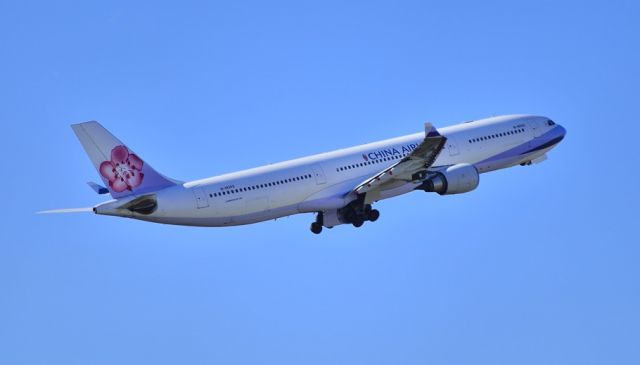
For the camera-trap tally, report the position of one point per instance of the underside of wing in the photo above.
(411, 168)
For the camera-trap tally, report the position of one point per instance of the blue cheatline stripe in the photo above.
(546, 140)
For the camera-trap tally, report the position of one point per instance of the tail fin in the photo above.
(123, 172)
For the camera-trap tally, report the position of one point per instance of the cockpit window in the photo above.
(550, 122)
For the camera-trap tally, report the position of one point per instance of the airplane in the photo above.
(339, 187)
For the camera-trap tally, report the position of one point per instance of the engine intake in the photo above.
(456, 179)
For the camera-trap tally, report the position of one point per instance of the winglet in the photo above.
(430, 130)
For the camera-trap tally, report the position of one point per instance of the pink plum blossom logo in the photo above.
(365, 157)
(124, 171)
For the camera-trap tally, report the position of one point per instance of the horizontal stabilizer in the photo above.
(67, 210)
(99, 189)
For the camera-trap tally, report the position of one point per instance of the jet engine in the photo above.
(456, 179)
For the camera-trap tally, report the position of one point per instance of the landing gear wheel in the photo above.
(316, 227)
(373, 215)
(358, 222)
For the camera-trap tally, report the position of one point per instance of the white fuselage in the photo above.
(322, 182)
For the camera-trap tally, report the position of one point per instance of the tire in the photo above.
(373, 215)
(358, 222)
(316, 228)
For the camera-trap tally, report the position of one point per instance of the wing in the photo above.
(410, 168)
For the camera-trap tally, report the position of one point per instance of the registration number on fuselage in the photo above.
(228, 187)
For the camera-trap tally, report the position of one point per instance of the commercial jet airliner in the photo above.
(339, 187)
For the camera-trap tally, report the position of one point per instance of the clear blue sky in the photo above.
(540, 265)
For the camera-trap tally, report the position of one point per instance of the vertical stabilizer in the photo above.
(123, 172)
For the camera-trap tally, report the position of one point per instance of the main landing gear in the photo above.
(349, 214)
(357, 217)
(372, 214)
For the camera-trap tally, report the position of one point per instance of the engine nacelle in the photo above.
(456, 179)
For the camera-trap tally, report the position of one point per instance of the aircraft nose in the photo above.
(562, 131)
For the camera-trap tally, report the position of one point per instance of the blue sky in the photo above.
(537, 266)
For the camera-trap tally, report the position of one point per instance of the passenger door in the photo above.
(536, 126)
(201, 198)
(452, 146)
(318, 173)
